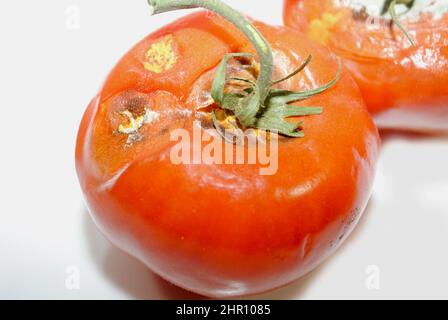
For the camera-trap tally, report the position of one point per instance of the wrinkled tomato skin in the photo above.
(226, 230)
(404, 87)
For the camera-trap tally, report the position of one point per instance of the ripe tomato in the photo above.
(404, 86)
(216, 229)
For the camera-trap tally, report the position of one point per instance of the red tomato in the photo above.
(404, 86)
(223, 230)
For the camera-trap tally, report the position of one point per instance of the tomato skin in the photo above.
(226, 230)
(404, 86)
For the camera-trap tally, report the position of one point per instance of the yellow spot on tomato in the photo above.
(227, 121)
(161, 56)
(319, 29)
(136, 123)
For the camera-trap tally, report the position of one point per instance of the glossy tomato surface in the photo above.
(215, 229)
(404, 86)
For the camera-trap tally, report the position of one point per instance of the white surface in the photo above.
(374, 7)
(48, 75)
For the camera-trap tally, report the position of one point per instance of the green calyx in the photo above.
(272, 112)
(389, 6)
(260, 105)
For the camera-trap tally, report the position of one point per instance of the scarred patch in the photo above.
(161, 56)
(131, 129)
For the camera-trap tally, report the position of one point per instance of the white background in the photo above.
(49, 72)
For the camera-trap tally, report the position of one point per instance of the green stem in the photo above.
(260, 105)
(389, 6)
(262, 47)
(394, 16)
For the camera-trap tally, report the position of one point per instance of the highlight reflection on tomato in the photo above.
(216, 229)
(403, 85)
